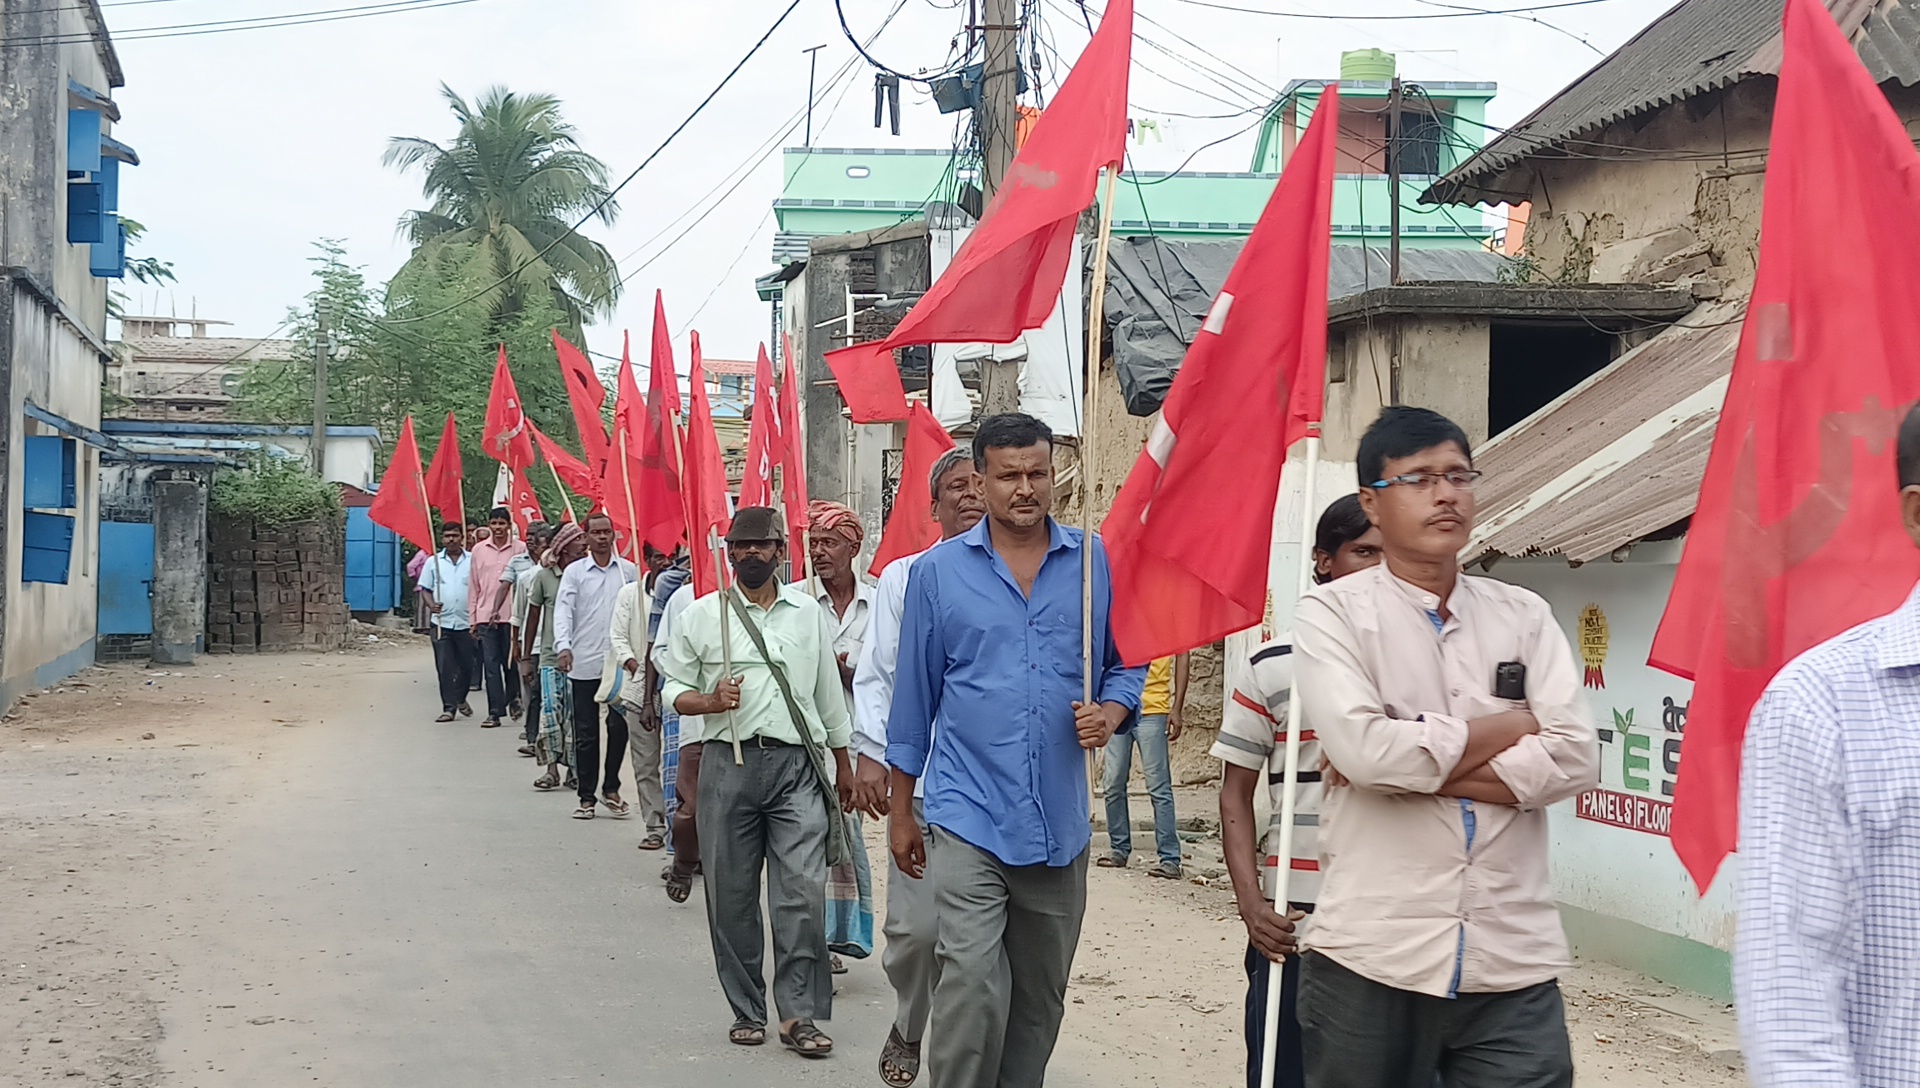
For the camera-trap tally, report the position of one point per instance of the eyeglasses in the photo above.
(1463, 480)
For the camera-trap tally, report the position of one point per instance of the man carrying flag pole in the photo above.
(1190, 554)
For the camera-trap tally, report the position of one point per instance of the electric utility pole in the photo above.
(813, 63)
(1395, 145)
(321, 349)
(999, 113)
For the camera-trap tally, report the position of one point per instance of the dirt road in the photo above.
(279, 870)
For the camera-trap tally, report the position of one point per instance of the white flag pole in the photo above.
(1096, 323)
(1290, 778)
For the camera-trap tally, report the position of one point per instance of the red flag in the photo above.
(1190, 533)
(443, 481)
(706, 479)
(402, 504)
(1006, 278)
(663, 522)
(620, 479)
(911, 528)
(793, 471)
(523, 504)
(763, 439)
(571, 470)
(506, 439)
(586, 393)
(1798, 534)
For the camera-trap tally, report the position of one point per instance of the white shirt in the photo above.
(879, 654)
(1253, 734)
(850, 630)
(452, 591)
(583, 613)
(692, 727)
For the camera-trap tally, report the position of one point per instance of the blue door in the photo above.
(126, 578)
(373, 564)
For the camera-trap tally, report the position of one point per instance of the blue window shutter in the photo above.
(48, 540)
(109, 179)
(51, 473)
(86, 212)
(83, 142)
(109, 258)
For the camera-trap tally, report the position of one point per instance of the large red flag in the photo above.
(444, 486)
(763, 439)
(506, 439)
(523, 504)
(793, 459)
(571, 470)
(1798, 534)
(586, 394)
(620, 478)
(402, 504)
(1006, 278)
(1190, 534)
(663, 521)
(911, 528)
(705, 479)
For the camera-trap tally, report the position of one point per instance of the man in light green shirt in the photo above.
(771, 810)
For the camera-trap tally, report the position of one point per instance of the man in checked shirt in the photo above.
(1450, 714)
(1827, 968)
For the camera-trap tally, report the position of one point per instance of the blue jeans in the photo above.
(1151, 734)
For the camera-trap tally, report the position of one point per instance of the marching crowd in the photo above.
(1420, 943)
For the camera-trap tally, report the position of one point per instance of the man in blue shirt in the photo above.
(987, 708)
(444, 581)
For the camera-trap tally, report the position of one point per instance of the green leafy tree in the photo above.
(506, 194)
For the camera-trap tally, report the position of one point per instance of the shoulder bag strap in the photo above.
(839, 848)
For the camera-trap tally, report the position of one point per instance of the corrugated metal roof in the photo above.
(1617, 457)
(1697, 46)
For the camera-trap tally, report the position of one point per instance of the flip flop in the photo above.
(446, 717)
(616, 807)
(653, 841)
(584, 812)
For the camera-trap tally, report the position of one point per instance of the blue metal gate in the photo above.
(126, 578)
(373, 564)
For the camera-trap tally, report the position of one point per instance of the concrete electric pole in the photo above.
(321, 349)
(998, 120)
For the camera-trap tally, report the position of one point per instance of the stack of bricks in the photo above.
(275, 588)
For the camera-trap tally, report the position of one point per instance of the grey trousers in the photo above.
(767, 814)
(649, 792)
(1358, 1033)
(912, 930)
(1007, 938)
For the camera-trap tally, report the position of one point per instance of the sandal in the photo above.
(899, 1061)
(679, 887)
(446, 717)
(836, 964)
(1165, 871)
(548, 781)
(653, 841)
(584, 812)
(1112, 861)
(525, 749)
(466, 711)
(572, 782)
(806, 1040)
(490, 723)
(615, 806)
(745, 1034)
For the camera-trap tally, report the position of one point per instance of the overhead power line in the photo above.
(1462, 13)
(228, 26)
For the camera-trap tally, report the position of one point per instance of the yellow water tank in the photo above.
(1367, 65)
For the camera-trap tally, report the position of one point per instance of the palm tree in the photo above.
(506, 194)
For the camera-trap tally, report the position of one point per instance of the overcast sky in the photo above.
(257, 143)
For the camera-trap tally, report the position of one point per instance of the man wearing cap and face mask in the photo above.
(771, 811)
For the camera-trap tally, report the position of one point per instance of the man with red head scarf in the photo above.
(834, 537)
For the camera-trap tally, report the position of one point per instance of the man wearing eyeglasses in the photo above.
(1450, 715)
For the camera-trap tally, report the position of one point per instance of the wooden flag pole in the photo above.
(626, 486)
(1088, 460)
(439, 575)
(1290, 776)
(563, 491)
(726, 639)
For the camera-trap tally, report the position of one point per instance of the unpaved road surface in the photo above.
(271, 871)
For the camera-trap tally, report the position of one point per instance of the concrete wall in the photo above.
(1437, 361)
(179, 568)
(1625, 898)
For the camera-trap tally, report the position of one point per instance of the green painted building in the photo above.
(835, 190)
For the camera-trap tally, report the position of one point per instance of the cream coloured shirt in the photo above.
(1420, 892)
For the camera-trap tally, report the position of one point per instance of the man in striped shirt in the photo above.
(1252, 744)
